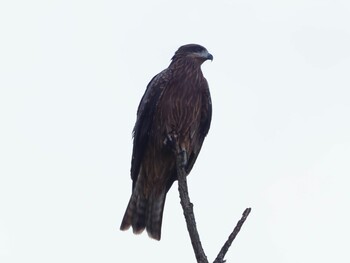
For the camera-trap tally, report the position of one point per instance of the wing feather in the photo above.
(144, 121)
(206, 113)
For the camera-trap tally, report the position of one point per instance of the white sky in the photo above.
(71, 76)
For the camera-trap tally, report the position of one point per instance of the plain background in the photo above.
(71, 76)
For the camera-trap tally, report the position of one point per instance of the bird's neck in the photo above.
(186, 64)
(186, 70)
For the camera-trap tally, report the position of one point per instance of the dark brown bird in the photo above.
(175, 107)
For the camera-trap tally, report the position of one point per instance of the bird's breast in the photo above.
(179, 110)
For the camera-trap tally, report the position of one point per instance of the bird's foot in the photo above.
(171, 140)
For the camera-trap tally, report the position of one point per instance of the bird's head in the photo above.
(193, 51)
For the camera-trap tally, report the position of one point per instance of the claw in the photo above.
(170, 140)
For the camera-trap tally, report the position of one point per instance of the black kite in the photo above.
(175, 107)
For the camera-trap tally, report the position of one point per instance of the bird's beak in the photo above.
(204, 55)
(210, 56)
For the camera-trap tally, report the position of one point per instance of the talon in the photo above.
(168, 140)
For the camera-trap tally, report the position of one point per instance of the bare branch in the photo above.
(226, 246)
(187, 207)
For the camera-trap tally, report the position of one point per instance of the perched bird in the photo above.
(176, 107)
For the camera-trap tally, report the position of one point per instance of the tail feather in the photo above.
(155, 216)
(139, 215)
(144, 213)
(135, 214)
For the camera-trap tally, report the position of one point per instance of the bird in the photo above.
(176, 109)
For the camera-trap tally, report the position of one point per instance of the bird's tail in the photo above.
(144, 213)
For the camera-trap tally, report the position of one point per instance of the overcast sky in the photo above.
(71, 76)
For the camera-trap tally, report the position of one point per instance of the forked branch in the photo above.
(187, 207)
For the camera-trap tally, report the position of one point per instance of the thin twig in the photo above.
(187, 207)
(226, 246)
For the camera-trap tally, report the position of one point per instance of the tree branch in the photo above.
(226, 246)
(187, 207)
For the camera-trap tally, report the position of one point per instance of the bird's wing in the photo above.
(145, 114)
(204, 126)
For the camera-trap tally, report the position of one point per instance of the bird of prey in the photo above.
(176, 107)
